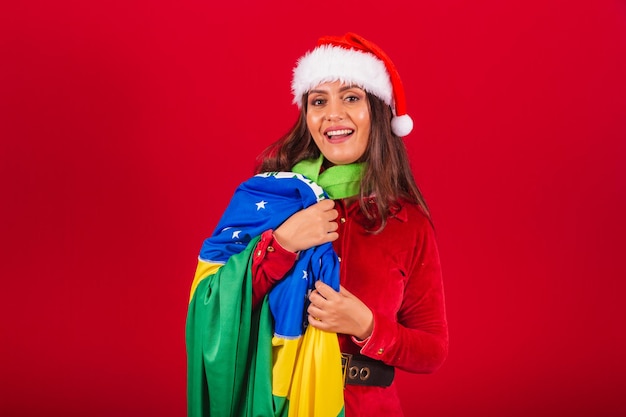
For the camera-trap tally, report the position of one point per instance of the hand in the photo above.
(339, 312)
(309, 227)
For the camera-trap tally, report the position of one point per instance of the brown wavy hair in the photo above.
(388, 175)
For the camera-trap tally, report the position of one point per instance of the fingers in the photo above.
(322, 221)
(344, 291)
(322, 296)
(315, 321)
(339, 312)
(328, 215)
(309, 227)
(330, 237)
(326, 204)
(323, 290)
(326, 209)
(317, 299)
(317, 316)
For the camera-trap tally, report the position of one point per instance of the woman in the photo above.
(389, 309)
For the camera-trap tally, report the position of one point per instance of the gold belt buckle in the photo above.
(345, 365)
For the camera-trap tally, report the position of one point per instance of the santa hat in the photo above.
(352, 59)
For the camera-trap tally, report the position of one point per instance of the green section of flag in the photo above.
(229, 349)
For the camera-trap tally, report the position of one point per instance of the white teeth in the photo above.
(339, 132)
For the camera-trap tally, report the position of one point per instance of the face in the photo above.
(338, 117)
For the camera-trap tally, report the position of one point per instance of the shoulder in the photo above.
(412, 213)
(418, 228)
(413, 223)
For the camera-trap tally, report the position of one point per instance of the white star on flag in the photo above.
(305, 275)
(236, 234)
(260, 205)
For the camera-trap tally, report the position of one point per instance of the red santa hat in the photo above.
(353, 59)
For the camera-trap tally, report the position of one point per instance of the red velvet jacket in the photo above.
(397, 274)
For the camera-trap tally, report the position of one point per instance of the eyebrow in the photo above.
(344, 88)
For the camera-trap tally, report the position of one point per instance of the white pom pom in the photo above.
(402, 125)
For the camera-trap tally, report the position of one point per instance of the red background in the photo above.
(125, 127)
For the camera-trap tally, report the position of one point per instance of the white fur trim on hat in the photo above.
(329, 63)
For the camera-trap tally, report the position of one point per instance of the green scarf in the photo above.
(339, 181)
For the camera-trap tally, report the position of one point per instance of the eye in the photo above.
(353, 95)
(317, 102)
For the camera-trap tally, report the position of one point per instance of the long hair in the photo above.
(388, 176)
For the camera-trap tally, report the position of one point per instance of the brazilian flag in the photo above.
(266, 362)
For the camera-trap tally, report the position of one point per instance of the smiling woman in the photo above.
(333, 225)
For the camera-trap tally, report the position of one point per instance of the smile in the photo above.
(342, 132)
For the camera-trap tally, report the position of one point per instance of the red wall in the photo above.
(125, 127)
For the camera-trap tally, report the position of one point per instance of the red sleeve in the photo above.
(418, 341)
(270, 264)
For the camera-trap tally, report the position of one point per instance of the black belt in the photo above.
(360, 370)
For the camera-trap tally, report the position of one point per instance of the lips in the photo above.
(338, 134)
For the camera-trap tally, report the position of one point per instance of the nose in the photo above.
(335, 110)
